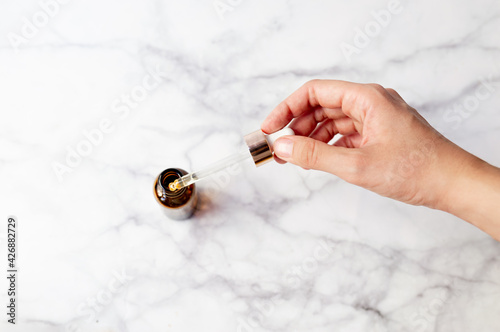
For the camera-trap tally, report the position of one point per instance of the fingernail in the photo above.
(283, 147)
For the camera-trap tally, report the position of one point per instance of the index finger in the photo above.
(313, 94)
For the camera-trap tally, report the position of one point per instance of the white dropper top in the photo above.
(260, 149)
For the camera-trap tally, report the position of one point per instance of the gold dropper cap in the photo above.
(259, 147)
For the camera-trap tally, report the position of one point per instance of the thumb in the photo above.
(313, 154)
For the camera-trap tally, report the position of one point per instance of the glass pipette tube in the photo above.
(193, 177)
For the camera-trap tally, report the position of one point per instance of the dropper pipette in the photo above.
(260, 149)
(191, 178)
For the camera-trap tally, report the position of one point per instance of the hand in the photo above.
(386, 146)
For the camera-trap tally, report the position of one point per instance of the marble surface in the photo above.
(140, 86)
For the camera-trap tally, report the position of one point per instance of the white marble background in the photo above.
(277, 249)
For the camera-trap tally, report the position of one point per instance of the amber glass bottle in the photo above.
(179, 204)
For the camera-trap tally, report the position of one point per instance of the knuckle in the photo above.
(309, 84)
(392, 92)
(310, 155)
(395, 95)
(375, 93)
(313, 81)
(376, 90)
(310, 88)
(377, 87)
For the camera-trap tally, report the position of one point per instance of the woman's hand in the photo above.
(386, 146)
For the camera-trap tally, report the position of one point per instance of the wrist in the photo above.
(471, 191)
(450, 169)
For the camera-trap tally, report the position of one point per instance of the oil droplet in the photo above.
(173, 186)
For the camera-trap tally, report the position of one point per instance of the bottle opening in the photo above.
(168, 178)
(168, 198)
